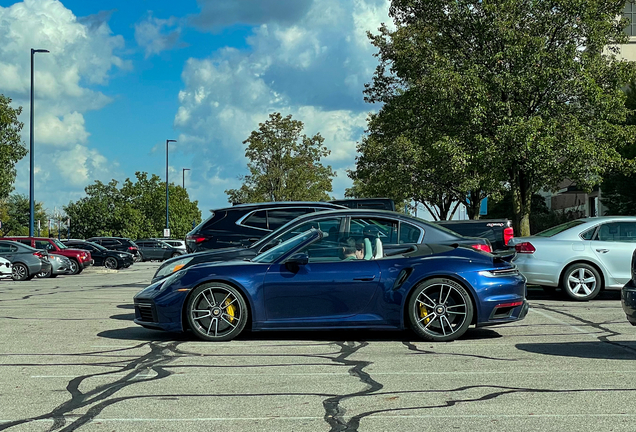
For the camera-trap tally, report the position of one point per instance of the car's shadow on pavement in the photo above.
(537, 293)
(623, 350)
(143, 334)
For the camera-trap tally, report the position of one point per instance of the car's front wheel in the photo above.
(216, 312)
(440, 310)
(581, 282)
(75, 267)
(110, 263)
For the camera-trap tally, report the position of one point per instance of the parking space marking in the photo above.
(578, 329)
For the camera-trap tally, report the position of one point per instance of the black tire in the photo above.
(20, 272)
(176, 254)
(581, 282)
(226, 310)
(76, 268)
(46, 274)
(448, 302)
(111, 263)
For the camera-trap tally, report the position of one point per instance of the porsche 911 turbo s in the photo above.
(315, 281)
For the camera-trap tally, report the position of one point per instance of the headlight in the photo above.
(121, 255)
(172, 267)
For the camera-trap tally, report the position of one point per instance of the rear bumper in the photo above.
(538, 272)
(628, 301)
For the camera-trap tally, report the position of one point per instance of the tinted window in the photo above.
(110, 243)
(256, 220)
(385, 229)
(24, 241)
(43, 244)
(7, 248)
(618, 232)
(589, 234)
(409, 233)
(278, 218)
(559, 228)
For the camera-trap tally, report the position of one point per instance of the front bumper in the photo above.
(87, 263)
(628, 301)
(159, 310)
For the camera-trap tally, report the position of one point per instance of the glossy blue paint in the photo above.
(342, 294)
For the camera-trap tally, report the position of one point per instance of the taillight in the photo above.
(197, 239)
(482, 247)
(132, 248)
(525, 247)
(509, 234)
(38, 254)
(509, 305)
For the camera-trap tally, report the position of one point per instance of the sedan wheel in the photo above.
(581, 282)
(216, 312)
(20, 272)
(440, 310)
(74, 268)
(110, 263)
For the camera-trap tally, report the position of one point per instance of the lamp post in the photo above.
(167, 193)
(31, 188)
(183, 171)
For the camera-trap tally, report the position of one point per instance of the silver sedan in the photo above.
(581, 257)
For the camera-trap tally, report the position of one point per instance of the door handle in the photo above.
(602, 250)
(364, 278)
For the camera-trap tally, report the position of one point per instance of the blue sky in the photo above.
(124, 76)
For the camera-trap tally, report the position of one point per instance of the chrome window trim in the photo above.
(239, 222)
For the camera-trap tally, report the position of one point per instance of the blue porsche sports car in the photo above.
(314, 281)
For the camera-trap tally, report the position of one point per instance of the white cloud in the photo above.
(156, 35)
(82, 53)
(314, 68)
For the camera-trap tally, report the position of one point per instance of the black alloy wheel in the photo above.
(216, 312)
(20, 272)
(110, 263)
(440, 310)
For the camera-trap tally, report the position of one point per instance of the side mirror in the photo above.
(294, 262)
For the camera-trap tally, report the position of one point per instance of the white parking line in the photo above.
(550, 317)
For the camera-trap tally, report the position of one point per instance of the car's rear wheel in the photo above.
(581, 282)
(216, 312)
(20, 272)
(440, 310)
(110, 263)
(176, 254)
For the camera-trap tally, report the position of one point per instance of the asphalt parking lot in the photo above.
(72, 359)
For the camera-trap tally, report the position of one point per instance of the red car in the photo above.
(80, 259)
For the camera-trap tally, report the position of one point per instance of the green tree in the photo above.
(618, 191)
(11, 147)
(284, 165)
(15, 211)
(135, 210)
(524, 93)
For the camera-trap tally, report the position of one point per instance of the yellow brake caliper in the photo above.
(230, 310)
(424, 314)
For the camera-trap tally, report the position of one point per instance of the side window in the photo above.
(384, 229)
(142, 244)
(333, 249)
(329, 226)
(589, 234)
(618, 232)
(25, 241)
(7, 248)
(109, 243)
(409, 233)
(43, 244)
(278, 218)
(256, 220)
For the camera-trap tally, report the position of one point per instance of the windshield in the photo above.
(276, 252)
(59, 244)
(559, 228)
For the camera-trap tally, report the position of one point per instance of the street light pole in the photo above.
(183, 171)
(31, 188)
(167, 193)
